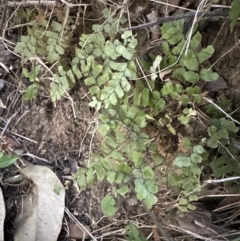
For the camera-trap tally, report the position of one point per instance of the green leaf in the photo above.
(133, 234)
(119, 91)
(189, 61)
(117, 66)
(183, 201)
(190, 90)
(123, 190)
(182, 161)
(195, 170)
(198, 149)
(82, 181)
(97, 70)
(191, 77)
(100, 171)
(36, 71)
(90, 81)
(234, 13)
(195, 41)
(113, 99)
(191, 207)
(124, 168)
(119, 178)
(133, 44)
(228, 125)
(140, 189)
(76, 71)
(110, 142)
(150, 200)
(208, 75)
(148, 172)
(176, 38)
(107, 205)
(166, 49)
(63, 80)
(205, 54)
(167, 89)
(140, 121)
(102, 79)
(172, 180)
(125, 84)
(197, 98)
(193, 198)
(110, 50)
(184, 99)
(117, 155)
(136, 158)
(177, 50)
(59, 49)
(106, 163)
(179, 25)
(71, 76)
(151, 187)
(130, 74)
(178, 73)
(7, 160)
(111, 176)
(31, 92)
(90, 176)
(145, 97)
(183, 208)
(196, 158)
(52, 56)
(56, 26)
(124, 52)
(171, 129)
(103, 129)
(25, 73)
(126, 34)
(94, 90)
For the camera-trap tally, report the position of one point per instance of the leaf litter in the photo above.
(41, 214)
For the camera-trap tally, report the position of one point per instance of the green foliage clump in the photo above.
(127, 103)
(106, 62)
(234, 13)
(133, 234)
(32, 89)
(7, 160)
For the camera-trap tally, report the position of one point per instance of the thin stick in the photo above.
(23, 137)
(41, 3)
(7, 124)
(202, 14)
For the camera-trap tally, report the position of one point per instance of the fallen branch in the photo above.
(203, 14)
(39, 3)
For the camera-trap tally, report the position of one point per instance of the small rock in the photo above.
(2, 84)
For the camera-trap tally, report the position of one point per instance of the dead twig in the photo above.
(202, 14)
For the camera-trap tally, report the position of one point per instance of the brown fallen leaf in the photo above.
(42, 209)
(9, 141)
(75, 232)
(2, 215)
(2, 105)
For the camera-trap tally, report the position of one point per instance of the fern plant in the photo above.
(105, 61)
(126, 150)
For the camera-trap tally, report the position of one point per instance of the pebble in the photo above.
(2, 84)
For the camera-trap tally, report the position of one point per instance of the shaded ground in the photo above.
(59, 140)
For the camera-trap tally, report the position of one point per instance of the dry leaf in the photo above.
(2, 105)
(42, 209)
(2, 215)
(75, 232)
